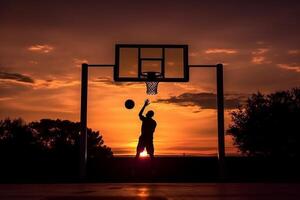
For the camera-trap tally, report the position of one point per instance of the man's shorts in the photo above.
(145, 143)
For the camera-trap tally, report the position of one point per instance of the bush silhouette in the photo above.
(268, 125)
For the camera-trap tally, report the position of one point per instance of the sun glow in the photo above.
(144, 153)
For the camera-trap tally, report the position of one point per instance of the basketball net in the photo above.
(151, 87)
(151, 82)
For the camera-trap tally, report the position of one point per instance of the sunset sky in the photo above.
(43, 43)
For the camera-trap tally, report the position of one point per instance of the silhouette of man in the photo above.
(147, 130)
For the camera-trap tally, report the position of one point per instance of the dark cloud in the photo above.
(16, 77)
(122, 150)
(203, 100)
(192, 148)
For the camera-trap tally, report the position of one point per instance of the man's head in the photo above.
(150, 114)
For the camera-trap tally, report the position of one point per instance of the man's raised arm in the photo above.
(143, 108)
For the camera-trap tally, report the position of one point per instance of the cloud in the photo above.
(185, 148)
(187, 87)
(258, 60)
(225, 51)
(203, 100)
(109, 82)
(55, 83)
(6, 98)
(260, 42)
(78, 62)
(41, 48)
(259, 56)
(294, 52)
(16, 77)
(292, 67)
(193, 54)
(123, 150)
(33, 62)
(260, 51)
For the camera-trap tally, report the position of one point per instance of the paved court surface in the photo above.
(124, 191)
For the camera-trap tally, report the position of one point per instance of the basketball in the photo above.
(129, 104)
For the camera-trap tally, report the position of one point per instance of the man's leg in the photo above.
(139, 148)
(150, 149)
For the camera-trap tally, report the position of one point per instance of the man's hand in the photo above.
(147, 102)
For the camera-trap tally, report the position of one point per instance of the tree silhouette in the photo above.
(58, 139)
(16, 139)
(268, 125)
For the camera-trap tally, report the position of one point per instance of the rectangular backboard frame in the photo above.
(185, 66)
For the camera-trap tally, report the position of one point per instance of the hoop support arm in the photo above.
(100, 65)
(202, 66)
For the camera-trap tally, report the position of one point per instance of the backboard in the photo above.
(169, 62)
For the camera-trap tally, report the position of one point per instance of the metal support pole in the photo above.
(220, 107)
(83, 121)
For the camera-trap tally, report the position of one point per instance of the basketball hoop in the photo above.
(151, 63)
(151, 82)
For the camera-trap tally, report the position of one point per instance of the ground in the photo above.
(148, 191)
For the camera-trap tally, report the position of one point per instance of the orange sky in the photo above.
(44, 43)
(181, 129)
